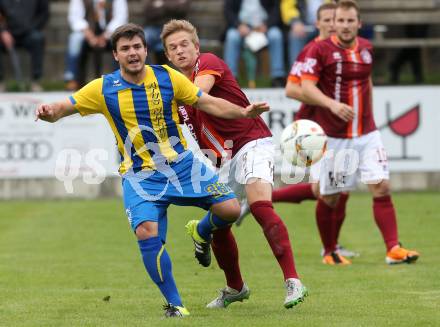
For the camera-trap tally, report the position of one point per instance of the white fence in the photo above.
(408, 117)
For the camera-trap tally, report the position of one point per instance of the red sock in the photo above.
(276, 235)
(226, 252)
(293, 193)
(325, 222)
(339, 215)
(385, 217)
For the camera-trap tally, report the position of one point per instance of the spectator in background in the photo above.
(92, 22)
(21, 26)
(157, 13)
(410, 55)
(245, 16)
(300, 17)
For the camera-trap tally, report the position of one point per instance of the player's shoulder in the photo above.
(209, 62)
(208, 57)
(365, 49)
(364, 43)
(157, 69)
(112, 82)
(320, 46)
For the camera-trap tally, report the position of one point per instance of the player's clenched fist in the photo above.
(44, 112)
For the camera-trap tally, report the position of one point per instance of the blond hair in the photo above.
(177, 25)
(348, 4)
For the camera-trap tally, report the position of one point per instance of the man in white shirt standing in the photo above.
(91, 22)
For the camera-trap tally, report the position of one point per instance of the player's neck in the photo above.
(348, 45)
(187, 71)
(344, 44)
(134, 78)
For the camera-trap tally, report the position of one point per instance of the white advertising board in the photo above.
(408, 118)
(41, 149)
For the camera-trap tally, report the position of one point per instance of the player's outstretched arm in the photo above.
(312, 92)
(224, 109)
(51, 112)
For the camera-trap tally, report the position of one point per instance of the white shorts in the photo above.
(348, 160)
(254, 160)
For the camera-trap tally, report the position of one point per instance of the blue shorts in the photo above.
(189, 182)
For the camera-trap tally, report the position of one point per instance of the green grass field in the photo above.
(60, 260)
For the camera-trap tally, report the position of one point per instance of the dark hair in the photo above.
(325, 6)
(348, 4)
(128, 31)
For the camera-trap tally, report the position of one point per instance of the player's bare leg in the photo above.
(385, 217)
(259, 195)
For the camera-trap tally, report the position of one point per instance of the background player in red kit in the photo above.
(296, 193)
(337, 77)
(248, 168)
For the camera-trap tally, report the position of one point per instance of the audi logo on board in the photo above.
(26, 150)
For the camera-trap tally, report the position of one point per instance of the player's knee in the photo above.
(331, 200)
(233, 212)
(146, 229)
(381, 189)
(228, 210)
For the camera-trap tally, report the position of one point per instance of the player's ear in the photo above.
(166, 54)
(115, 55)
(197, 45)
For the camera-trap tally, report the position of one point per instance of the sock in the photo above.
(209, 223)
(324, 220)
(276, 235)
(293, 193)
(226, 252)
(158, 265)
(385, 217)
(339, 215)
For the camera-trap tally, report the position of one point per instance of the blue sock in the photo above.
(210, 223)
(158, 265)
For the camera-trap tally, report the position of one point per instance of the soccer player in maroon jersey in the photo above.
(337, 77)
(296, 193)
(244, 150)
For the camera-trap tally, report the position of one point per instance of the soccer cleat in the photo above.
(335, 258)
(344, 252)
(229, 295)
(202, 248)
(399, 254)
(175, 311)
(244, 211)
(296, 292)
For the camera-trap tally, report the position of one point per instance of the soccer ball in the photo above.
(303, 143)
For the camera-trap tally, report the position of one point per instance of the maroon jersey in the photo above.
(215, 133)
(304, 112)
(344, 75)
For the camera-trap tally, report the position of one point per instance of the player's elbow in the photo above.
(293, 93)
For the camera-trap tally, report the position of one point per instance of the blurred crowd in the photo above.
(281, 26)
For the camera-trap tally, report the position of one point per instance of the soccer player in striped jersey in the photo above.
(337, 78)
(244, 152)
(296, 193)
(140, 104)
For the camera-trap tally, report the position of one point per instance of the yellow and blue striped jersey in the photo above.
(144, 117)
